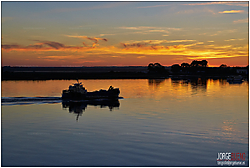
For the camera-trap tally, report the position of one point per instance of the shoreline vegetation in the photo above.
(197, 69)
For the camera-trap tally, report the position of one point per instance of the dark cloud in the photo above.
(124, 45)
(10, 46)
(96, 39)
(38, 46)
(52, 44)
(92, 39)
(41, 45)
(154, 47)
(55, 45)
(85, 44)
(104, 39)
(139, 45)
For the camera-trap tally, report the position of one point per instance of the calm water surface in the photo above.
(158, 123)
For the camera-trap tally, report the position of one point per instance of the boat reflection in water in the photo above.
(78, 107)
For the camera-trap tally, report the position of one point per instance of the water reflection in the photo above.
(196, 83)
(235, 79)
(235, 82)
(79, 107)
(155, 82)
(222, 82)
(199, 83)
(154, 127)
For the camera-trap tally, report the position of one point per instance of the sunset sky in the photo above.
(124, 33)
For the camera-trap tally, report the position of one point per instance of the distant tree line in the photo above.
(186, 67)
(196, 67)
(201, 68)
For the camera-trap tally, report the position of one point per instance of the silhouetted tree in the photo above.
(150, 66)
(223, 66)
(204, 63)
(185, 65)
(196, 63)
(159, 67)
(175, 68)
(156, 67)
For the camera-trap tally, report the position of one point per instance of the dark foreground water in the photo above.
(158, 123)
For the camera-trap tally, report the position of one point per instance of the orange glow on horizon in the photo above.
(139, 51)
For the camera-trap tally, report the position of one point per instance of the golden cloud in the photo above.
(137, 48)
(241, 21)
(156, 42)
(232, 12)
(234, 39)
(106, 35)
(146, 28)
(41, 46)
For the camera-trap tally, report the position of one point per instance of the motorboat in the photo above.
(78, 92)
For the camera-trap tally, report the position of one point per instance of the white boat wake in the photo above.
(29, 100)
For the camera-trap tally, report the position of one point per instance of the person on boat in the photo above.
(111, 88)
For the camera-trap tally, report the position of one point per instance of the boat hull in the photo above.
(102, 94)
